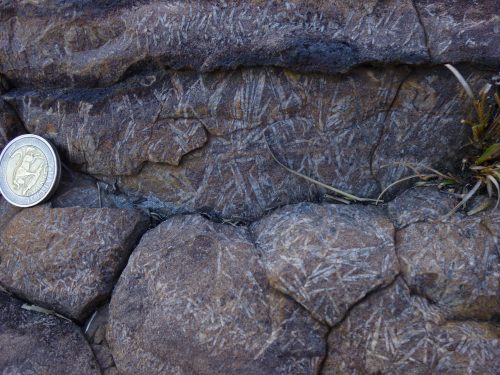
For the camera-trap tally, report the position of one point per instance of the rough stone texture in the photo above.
(35, 343)
(7, 211)
(165, 105)
(456, 265)
(194, 299)
(94, 43)
(79, 190)
(324, 126)
(67, 259)
(392, 332)
(424, 124)
(112, 131)
(10, 127)
(327, 257)
(422, 205)
(461, 30)
(234, 108)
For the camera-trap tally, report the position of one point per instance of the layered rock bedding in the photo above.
(176, 244)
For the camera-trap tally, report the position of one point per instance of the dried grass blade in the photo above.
(43, 310)
(319, 183)
(468, 196)
(399, 181)
(462, 80)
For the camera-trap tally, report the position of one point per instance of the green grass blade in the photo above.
(491, 152)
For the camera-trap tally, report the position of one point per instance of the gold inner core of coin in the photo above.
(27, 170)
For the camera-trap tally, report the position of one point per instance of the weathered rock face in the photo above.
(422, 205)
(327, 257)
(80, 190)
(34, 343)
(392, 332)
(7, 211)
(162, 109)
(67, 259)
(460, 30)
(451, 260)
(10, 127)
(424, 125)
(94, 43)
(194, 299)
(456, 265)
(313, 123)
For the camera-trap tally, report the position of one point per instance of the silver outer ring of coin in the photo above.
(53, 175)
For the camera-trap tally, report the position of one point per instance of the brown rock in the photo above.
(103, 356)
(455, 264)
(95, 332)
(118, 127)
(35, 343)
(111, 131)
(327, 257)
(313, 123)
(392, 332)
(94, 43)
(67, 259)
(194, 299)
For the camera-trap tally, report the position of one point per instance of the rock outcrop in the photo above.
(216, 126)
(93, 43)
(177, 244)
(454, 261)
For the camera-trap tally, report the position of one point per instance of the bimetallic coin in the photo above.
(30, 170)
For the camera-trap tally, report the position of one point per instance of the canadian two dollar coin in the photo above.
(30, 170)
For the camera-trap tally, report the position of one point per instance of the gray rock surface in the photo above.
(327, 257)
(35, 343)
(451, 260)
(67, 259)
(393, 332)
(98, 43)
(194, 299)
